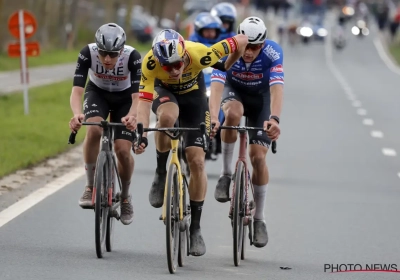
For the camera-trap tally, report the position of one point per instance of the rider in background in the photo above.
(207, 29)
(227, 13)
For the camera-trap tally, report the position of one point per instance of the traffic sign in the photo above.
(29, 21)
(32, 49)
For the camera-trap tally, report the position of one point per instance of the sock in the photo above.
(162, 161)
(125, 189)
(260, 193)
(90, 168)
(196, 207)
(227, 154)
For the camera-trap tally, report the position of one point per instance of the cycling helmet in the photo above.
(168, 46)
(110, 37)
(206, 20)
(226, 12)
(255, 30)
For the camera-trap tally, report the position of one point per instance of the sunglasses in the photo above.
(254, 47)
(173, 66)
(110, 54)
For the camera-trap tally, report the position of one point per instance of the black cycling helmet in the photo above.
(110, 37)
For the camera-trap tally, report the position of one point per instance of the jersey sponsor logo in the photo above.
(206, 60)
(81, 56)
(271, 53)
(247, 76)
(246, 83)
(137, 61)
(232, 44)
(185, 75)
(141, 87)
(217, 53)
(144, 78)
(151, 64)
(117, 71)
(277, 69)
(77, 66)
(184, 86)
(110, 77)
(226, 48)
(94, 48)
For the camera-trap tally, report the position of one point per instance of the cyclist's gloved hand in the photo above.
(272, 129)
(76, 122)
(129, 122)
(139, 149)
(214, 126)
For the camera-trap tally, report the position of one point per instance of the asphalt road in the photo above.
(333, 196)
(38, 76)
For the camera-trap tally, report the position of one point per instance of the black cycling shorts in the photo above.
(256, 108)
(101, 103)
(193, 110)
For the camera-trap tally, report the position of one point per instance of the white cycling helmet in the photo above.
(254, 28)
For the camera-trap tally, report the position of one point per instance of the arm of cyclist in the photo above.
(146, 90)
(276, 82)
(134, 66)
(217, 87)
(234, 47)
(81, 72)
(233, 57)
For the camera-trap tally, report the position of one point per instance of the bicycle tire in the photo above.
(182, 234)
(101, 212)
(110, 218)
(172, 218)
(238, 213)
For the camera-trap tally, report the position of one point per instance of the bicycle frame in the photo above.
(175, 160)
(175, 140)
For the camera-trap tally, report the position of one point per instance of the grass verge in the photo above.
(53, 57)
(395, 52)
(29, 139)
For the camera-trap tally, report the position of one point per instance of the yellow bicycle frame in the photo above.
(174, 160)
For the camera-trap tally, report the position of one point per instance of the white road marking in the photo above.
(389, 152)
(377, 134)
(398, 174)
(361, 111)
(368, 121)
(356, 103)
(385, 57)
(34, 198)
(27, 202)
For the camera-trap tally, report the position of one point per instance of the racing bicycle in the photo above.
(105, 200)
(241, 210)
(176, 211)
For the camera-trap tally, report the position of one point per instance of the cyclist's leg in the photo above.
(194, 110)
(95, 108)
(233, 111)
(257, 112)
(166, 108)
(123, 146)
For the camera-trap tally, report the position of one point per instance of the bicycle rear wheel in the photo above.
(172, 218)
(238, 212)
(101, 208)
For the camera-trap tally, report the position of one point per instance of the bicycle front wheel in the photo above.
(101, 209)
(238, 212)
(172, 218)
